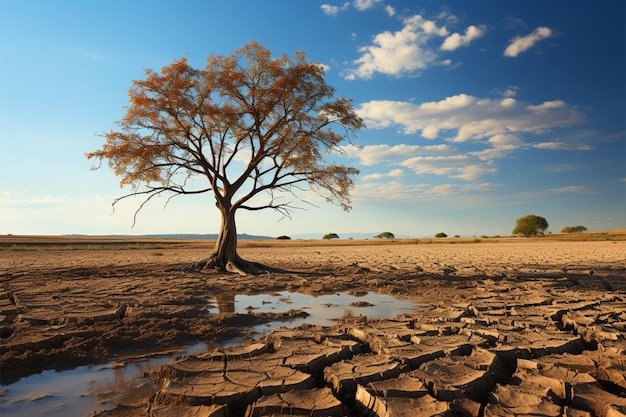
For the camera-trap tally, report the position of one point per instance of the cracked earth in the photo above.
(526, 327)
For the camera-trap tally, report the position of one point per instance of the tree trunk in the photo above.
(225, 256)
(226, 245)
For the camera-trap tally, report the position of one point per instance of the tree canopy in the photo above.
(574, 229)
(385, 235)
(259, 130)
(331, 236)
(530, 225)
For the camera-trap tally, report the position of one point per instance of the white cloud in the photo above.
(508, 102)
(504, 140)
(400, 52)
(562, 146)
(365, 4)
(395, 190)
(334, 10)
(520, 44)
(392, 190)
(454, 166)
(456, 40)
(325, 67)
(375, 154)
(430, 132)
(391, 174)
(472, 118)
(570, 189)
(510, 92)
(434, 160)
(447, 16)
(390, 11)
(496, 128)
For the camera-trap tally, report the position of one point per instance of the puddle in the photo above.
(85, 389)
(81, 391)
(323, 309)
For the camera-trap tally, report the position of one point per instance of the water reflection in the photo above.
(85, 389)
(323, 310)
(80, 391)
(225, 303)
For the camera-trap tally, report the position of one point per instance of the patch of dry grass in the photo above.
(40, 243)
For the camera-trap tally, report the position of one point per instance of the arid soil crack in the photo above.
(508, 330)
(493, 365)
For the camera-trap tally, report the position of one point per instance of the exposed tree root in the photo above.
(237, 265)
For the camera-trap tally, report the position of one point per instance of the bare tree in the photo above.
(260, 130)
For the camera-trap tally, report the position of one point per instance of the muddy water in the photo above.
(322, 310)
(80, 391)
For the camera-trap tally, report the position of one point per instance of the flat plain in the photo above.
(506, 326)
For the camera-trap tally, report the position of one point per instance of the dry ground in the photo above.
(517, 326)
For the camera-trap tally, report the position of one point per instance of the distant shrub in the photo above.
(457, 236)
(574, 229)
(441, 234)
(331, 236)
(283, 237)
(385, 235)
(530, 225)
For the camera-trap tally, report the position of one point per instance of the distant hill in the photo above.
(199, 236)
(208, 236)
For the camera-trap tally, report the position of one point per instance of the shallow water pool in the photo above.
(79, 392)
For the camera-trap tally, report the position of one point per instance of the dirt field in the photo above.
(511, 327)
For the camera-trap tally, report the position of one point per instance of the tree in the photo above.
(331, 236)
(574, 229)
(385, 235)
(441, 234)
(257, 130)
(530, 225)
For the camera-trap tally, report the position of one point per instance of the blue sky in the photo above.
(477, 113)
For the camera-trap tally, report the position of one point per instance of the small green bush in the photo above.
(331, 236)
(385, 235)
(283, 237)
(530, 225)
(574, 229)
(441, 234)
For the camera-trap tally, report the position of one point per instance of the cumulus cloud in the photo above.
(412, 49)
(360, 5)
(400, 52)
(495, 127)
(453, 166)
(391, 174)
(397, 190)
(521, 44)
(456, 40)
(376, 154)
(469, 117)
(510, 92)
(334, 10)
(441, 159)
(365, 4)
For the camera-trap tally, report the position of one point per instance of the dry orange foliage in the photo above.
(256, 128)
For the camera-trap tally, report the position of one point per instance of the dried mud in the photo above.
(522, 328)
